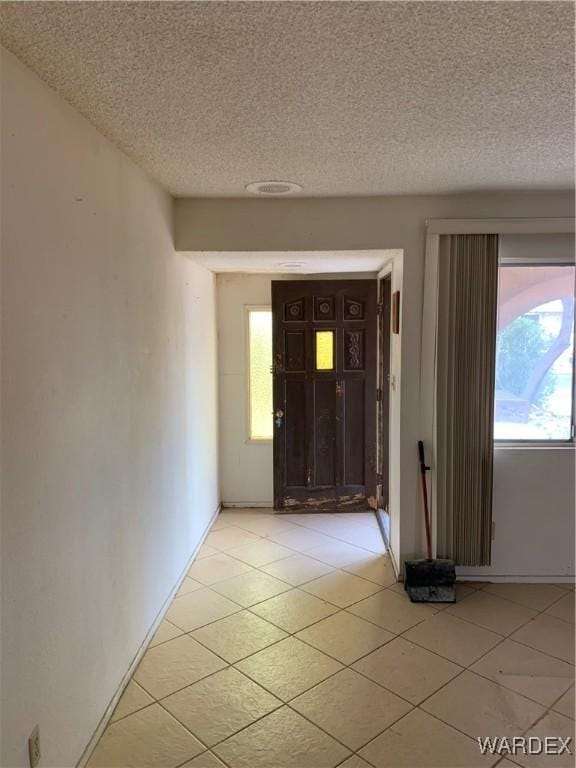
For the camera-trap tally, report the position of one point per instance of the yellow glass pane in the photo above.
(324, 350)
(260, 340)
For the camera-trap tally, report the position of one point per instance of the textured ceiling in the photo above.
(345, 98)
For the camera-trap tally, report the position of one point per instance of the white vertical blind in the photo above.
(468, 287)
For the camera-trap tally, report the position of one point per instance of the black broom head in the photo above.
(430, 581)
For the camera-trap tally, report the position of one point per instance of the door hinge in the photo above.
(380, 307)
(378, 395)
(379, 478)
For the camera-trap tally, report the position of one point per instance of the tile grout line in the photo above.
(504, 637)
(314, 530)
(344, 666)
(339, 609)
(359, 546)
(468, 669)
(463, 669)
(382, 588)
(401, 634)
(390, 587)
(282, 702)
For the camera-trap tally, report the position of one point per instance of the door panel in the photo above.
(354, 405)
(325, 432)
(295, 346)
(295, 420)
(325, 361)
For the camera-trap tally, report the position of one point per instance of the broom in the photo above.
(430, 580)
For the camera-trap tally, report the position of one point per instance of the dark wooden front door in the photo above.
(324, 364)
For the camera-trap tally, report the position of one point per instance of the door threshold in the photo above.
(324, 510)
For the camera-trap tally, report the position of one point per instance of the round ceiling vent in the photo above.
(277, 188)
(291, 265)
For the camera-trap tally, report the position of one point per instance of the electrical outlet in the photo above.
(34, 753)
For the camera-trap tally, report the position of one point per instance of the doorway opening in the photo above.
(244, 285)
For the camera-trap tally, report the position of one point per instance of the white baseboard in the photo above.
(512, 579)
(136, 660)
(247, 504)
(384, 524)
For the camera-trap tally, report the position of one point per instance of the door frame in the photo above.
(384, 341)
(390, 521)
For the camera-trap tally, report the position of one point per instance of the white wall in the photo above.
(533, 512)
(365, 223)
(245, 466)
(109, 417)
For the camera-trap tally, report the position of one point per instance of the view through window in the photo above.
(534, 397)
(260, 380)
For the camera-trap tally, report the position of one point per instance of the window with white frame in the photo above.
(260, 372)
(534, 393)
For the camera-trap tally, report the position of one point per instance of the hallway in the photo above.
(290, 644)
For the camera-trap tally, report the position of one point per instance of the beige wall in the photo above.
(364, 223)
(109, 417)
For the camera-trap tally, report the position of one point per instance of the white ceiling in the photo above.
(294, 262)
(344, 98)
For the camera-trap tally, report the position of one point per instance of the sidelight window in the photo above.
(260, 373)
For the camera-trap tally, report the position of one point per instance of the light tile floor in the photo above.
(290, 645)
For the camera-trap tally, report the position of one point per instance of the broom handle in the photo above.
(423, 469)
